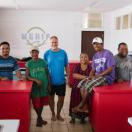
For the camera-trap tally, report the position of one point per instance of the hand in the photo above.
(91, 78)
(4, 78)
(119, 80)
(68, 82)
(49, 88)
(22, 78)
(97, 76)
(39, 83)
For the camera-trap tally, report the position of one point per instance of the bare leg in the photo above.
(59, 107)
(40, 120)
(52, 107)
(43, 121)
(82, 106)
(84, 95)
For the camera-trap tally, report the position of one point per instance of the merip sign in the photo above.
(35, 36)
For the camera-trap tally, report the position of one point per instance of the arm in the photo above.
(107, 71)
(3, 78)
(110, 64)
(67, 69)
(49, 79)
(48, 75)
(92, 74)
(19, 75)
(17, 71)
(32, 79)
(79, 76)
(117, 75)
(117, 71)
(49, 83)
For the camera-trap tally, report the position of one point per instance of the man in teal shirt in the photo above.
(57, 61)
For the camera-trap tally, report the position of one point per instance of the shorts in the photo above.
(40, 101)
(90, 84)
(59, 90)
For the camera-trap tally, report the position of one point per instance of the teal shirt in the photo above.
(57, 61)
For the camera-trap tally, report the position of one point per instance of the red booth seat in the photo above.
(111, 106)
(72, 65)
(21, 64)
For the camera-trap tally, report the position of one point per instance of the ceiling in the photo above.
(65, 5)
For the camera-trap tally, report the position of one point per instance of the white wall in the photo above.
(114, 37)
(66, 25)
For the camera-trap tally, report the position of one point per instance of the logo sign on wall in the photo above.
(35, 36)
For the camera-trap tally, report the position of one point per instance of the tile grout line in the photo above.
(66, 121)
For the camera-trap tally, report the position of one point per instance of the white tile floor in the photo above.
(58, 126)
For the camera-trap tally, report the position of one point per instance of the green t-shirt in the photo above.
(38, 69)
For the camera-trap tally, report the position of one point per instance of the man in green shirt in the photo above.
(37, 71)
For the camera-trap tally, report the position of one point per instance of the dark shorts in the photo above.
(59, 90)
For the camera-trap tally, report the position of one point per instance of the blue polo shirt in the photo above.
(57, 61)
(7, 66)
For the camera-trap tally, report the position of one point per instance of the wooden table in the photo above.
(15, 102)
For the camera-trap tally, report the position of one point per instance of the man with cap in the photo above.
(102, 73)
(37, 71)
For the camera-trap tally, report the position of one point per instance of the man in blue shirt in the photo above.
(57, 63)
(7, 63)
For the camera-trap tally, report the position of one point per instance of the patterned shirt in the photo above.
(7, 66)
(102, 61)
(123, 67)
(38, 69)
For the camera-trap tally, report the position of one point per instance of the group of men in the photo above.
(106, 69)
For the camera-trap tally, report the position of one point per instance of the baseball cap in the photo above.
(34, 48)
(97, 40)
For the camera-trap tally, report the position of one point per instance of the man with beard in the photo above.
(123, 64)
(8, 64)
(57, 61)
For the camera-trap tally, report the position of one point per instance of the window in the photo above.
(118, 23)
(92, 20)
(95, 20)
(131, 20)
(125, 22)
